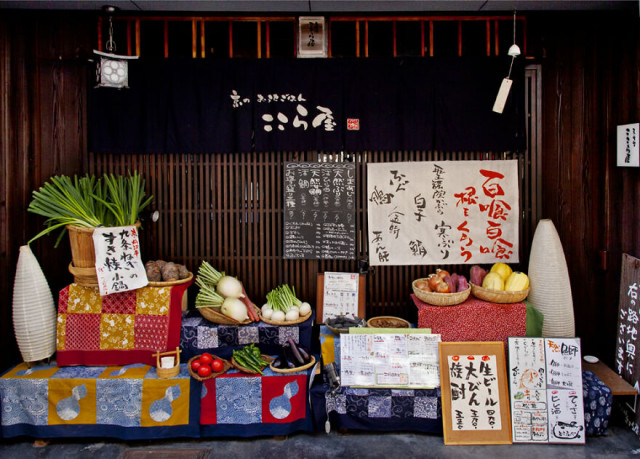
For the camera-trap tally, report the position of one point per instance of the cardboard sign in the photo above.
(118, 261)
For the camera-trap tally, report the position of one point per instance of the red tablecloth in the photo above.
(473, 320)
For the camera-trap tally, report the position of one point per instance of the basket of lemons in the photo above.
(499, 285)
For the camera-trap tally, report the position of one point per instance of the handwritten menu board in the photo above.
(118, 261)
(435, 212)
(546, 390)
(407, 360)
(340, 295)
(475, 407)
(319, 211)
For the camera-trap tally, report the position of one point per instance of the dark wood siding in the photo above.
(589, 81)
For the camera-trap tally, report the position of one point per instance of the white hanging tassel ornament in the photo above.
(34, 312)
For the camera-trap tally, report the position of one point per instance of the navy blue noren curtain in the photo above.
(240, 105)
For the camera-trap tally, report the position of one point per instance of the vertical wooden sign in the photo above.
(627, 353)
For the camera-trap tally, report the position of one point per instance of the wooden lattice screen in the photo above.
(227, 209)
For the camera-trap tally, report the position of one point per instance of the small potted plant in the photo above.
(80, 204)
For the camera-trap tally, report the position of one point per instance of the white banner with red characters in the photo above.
(443, 212)
(118, 261)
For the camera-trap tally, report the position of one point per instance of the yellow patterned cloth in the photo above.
(121, 328)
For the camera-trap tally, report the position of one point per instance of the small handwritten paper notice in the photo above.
(453, 212)
(474, 392)
(407, 360)
(629, 145)
(118, 261)
(546, 390)
(340, 295)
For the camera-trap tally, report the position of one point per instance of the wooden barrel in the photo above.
(83, 254)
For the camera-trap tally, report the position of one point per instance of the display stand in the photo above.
(198, 335)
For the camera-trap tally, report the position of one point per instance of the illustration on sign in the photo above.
(454, 212)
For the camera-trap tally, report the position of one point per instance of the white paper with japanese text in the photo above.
(340, 295)
(390, 360)
(118, 261)
(434, 212)
(475, 397)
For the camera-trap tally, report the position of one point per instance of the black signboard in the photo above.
(628, 341)
(319, 211)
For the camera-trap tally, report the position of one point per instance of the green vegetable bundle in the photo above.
(250, 358)
(89, 201)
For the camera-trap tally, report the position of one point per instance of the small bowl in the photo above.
(387, 322)
(440, 299)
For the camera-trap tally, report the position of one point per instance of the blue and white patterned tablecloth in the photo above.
(198, 335)
(127, 402)
(378, 409)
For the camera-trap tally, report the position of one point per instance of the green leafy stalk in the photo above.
(89, 202)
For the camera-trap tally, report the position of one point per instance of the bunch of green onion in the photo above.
(89, 202)
(207, 279)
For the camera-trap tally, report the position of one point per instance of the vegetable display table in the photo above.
(198, 335)
(240, 405)
(373, 409)
(131, 403)
(477, 320)
(127, 402)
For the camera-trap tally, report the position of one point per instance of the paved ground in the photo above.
(620, 443)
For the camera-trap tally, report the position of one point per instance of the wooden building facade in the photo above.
(583, 81)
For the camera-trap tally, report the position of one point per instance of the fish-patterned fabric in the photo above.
(118, 401)
(118, 329)
(245, 405)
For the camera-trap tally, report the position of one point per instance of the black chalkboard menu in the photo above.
(319, 211)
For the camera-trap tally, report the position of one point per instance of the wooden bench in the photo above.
(612, 379)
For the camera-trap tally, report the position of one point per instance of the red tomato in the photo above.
(217, 365)
(204, 371)
(196, 364)
(206, 358)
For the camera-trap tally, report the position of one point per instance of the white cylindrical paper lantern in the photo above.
(550, 290)
(34, 312)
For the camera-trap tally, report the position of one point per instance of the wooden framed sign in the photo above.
(475, 400)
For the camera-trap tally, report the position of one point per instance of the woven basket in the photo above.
(293, 370)
(171, 283)
(196, 376)
(387, 322)
(440, 299)
(237, 366)
(282, 322)
(219, 318)
(498, 296)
